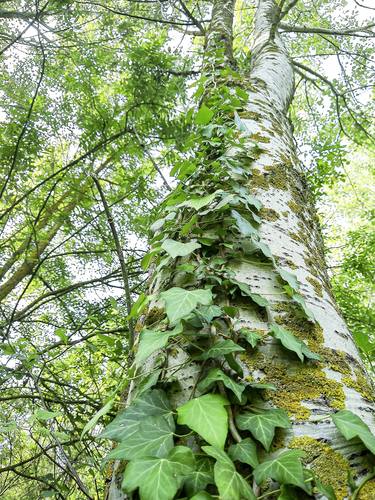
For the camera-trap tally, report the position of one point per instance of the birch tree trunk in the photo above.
(309, 392)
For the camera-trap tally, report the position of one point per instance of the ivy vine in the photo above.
(217, 444)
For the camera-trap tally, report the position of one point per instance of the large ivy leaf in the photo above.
(179, 302)
(207, 416)
(159, 478)
(217, 375)
(150, 341)
(352, 426)
(289, 341)
(285, 469)
(244, 226)
(204, 115)
(201, 477)
(245, 452)
(127, 422)
(262, 424)
(220, 348)
(154, 437)
(178, 249)
(231, 485)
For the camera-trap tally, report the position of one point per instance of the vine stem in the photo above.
(232, 427)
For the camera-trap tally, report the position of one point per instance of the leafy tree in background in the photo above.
(237, 331)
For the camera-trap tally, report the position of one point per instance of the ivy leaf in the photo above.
(325, 489)
(352, 426)
(301, 301)
(258, 299)
(285, 469)
(251, 337)
(245, 452)
(231, 485)
(178, 249)
(204, 115)
(234, 364)
(201, 477)
(139, 305)
(207, 416)
(290, 278)
(216, 375)
(154, 437)
(289, 341)
(244, 226)
(126, 423)
(208, 313)
(202, 495)
(262, 424)
(198, 203)
(221, 348)
(151, 341)
(159, 478)
(179, 302)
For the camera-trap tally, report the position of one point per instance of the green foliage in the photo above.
(262, 424)
(179, 303)
(207, 416)
(351, 426)
(159, 478)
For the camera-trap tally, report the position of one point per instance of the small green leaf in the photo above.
(159, 478)
(198, 203)
(201, 477)
(244, 226)
(220, 348)
(207, 416)
(204, 115)
(202, 495)
(251, 337)
(94, 420)
(179, 302)
(231, 485)
(285, 469)
(178, 249)
(61, 333)
(40, 414)
(262, 424)
(151, 341)
(351, 426)
(245, 452)
(325, 489)
(146, 261)
(290, 278)
(245, 289)
(289, 341)
(301, 301)
(139, 305)
(216, 375)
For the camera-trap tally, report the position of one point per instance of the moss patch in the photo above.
(367, 492)
(305, 383)
(360, 384)
(316, 285)
(268, 214)
(329, 466)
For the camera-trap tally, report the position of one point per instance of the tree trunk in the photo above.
(289, 229)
